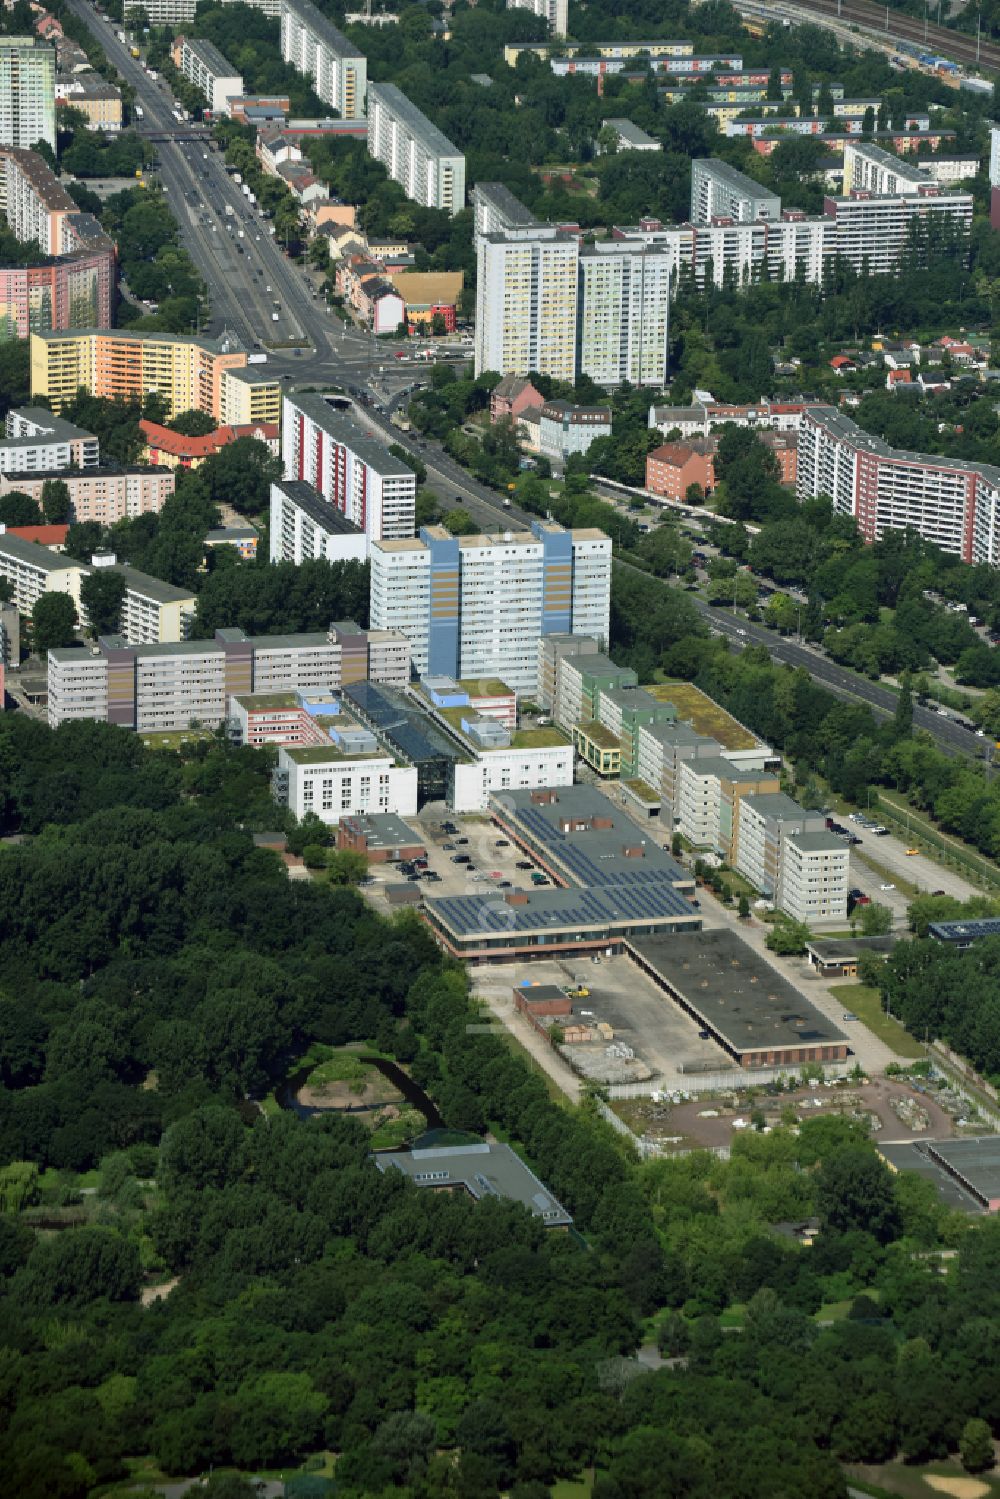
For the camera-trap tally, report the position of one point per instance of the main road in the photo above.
(249, 279)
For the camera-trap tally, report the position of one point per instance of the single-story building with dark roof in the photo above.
(753, 1013)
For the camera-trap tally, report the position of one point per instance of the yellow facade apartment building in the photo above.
(191, 374)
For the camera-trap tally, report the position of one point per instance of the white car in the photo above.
(887, 887)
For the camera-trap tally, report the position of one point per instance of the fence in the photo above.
(717, 1082)
(647, 1149)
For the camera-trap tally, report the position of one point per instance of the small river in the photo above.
(286, 1093)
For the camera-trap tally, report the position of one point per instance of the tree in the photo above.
(976, 1446)
(56, 506)
(876, 920)
(744, 907)
(902, 719)
(19, 509)
(192, 423)
(102, 594)
(787, 937)
(346, 866)
(241, 474)
(854, 1192)
(53, 622)
(459, 522)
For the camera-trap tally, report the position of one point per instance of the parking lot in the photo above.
(492, 860)
(660, 1034)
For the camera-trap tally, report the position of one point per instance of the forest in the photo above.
(436, 1346)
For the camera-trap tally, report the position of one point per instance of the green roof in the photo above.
(485, 687)
(537, 738)
(322, 754)
(599, 734)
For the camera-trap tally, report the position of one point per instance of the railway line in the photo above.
(894, 25)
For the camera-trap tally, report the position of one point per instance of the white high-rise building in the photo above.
(357, 475)
(413, 151)
(995, 156)
(477, 606)
(624, 312)
(867, 168)
(314, 46)
(875, 231)
(27, 92)
(526, 302)
(556, 12)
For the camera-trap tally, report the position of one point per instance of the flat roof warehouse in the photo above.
(750, 1010)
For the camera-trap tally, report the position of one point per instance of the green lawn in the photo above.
(574, 1488)
(867, 1005)
(910, 1482)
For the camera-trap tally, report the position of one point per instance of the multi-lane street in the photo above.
(249, 279)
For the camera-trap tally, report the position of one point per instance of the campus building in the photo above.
(105, 495)
(482, 1170)
(314, 47)
(413, 151)
(27, 92)
(305, 526)
(949, 501)
(357, 475)
(608, 882)
(165, 687)
(789, 855)
(191, 374)
(475, 606)
(203, 64)
(719, 191)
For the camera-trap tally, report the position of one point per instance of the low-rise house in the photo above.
(511, 396)
(566, 429)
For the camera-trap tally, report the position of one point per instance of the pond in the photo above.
(287, 1093)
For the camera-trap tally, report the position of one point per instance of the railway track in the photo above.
(940, 40)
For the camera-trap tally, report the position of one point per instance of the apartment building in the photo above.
(27, 92)
(874, 231)
(556, 12)
(949, 501)
(166, 448)
(565, 429)
(495, 209)
(476, 606)
(192, 374)
(305, 526)
(31, 570)
(699, 419)
(789, 856)
(99, 101)
(719, 191)
(152, 611)
(104, 495)
(75, 290)
(413, 151)
(624, 312)
(526, 302)
(33, 200)
(203, 65)
(867, 168)
(355, 474)
(37, 441)
(249, 397)
(314, 46)
(163, 687)
(814, 878)
(725, 252)
(659, 51)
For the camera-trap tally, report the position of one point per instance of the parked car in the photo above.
(460, 859)
(524, 864)
(889, 886)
